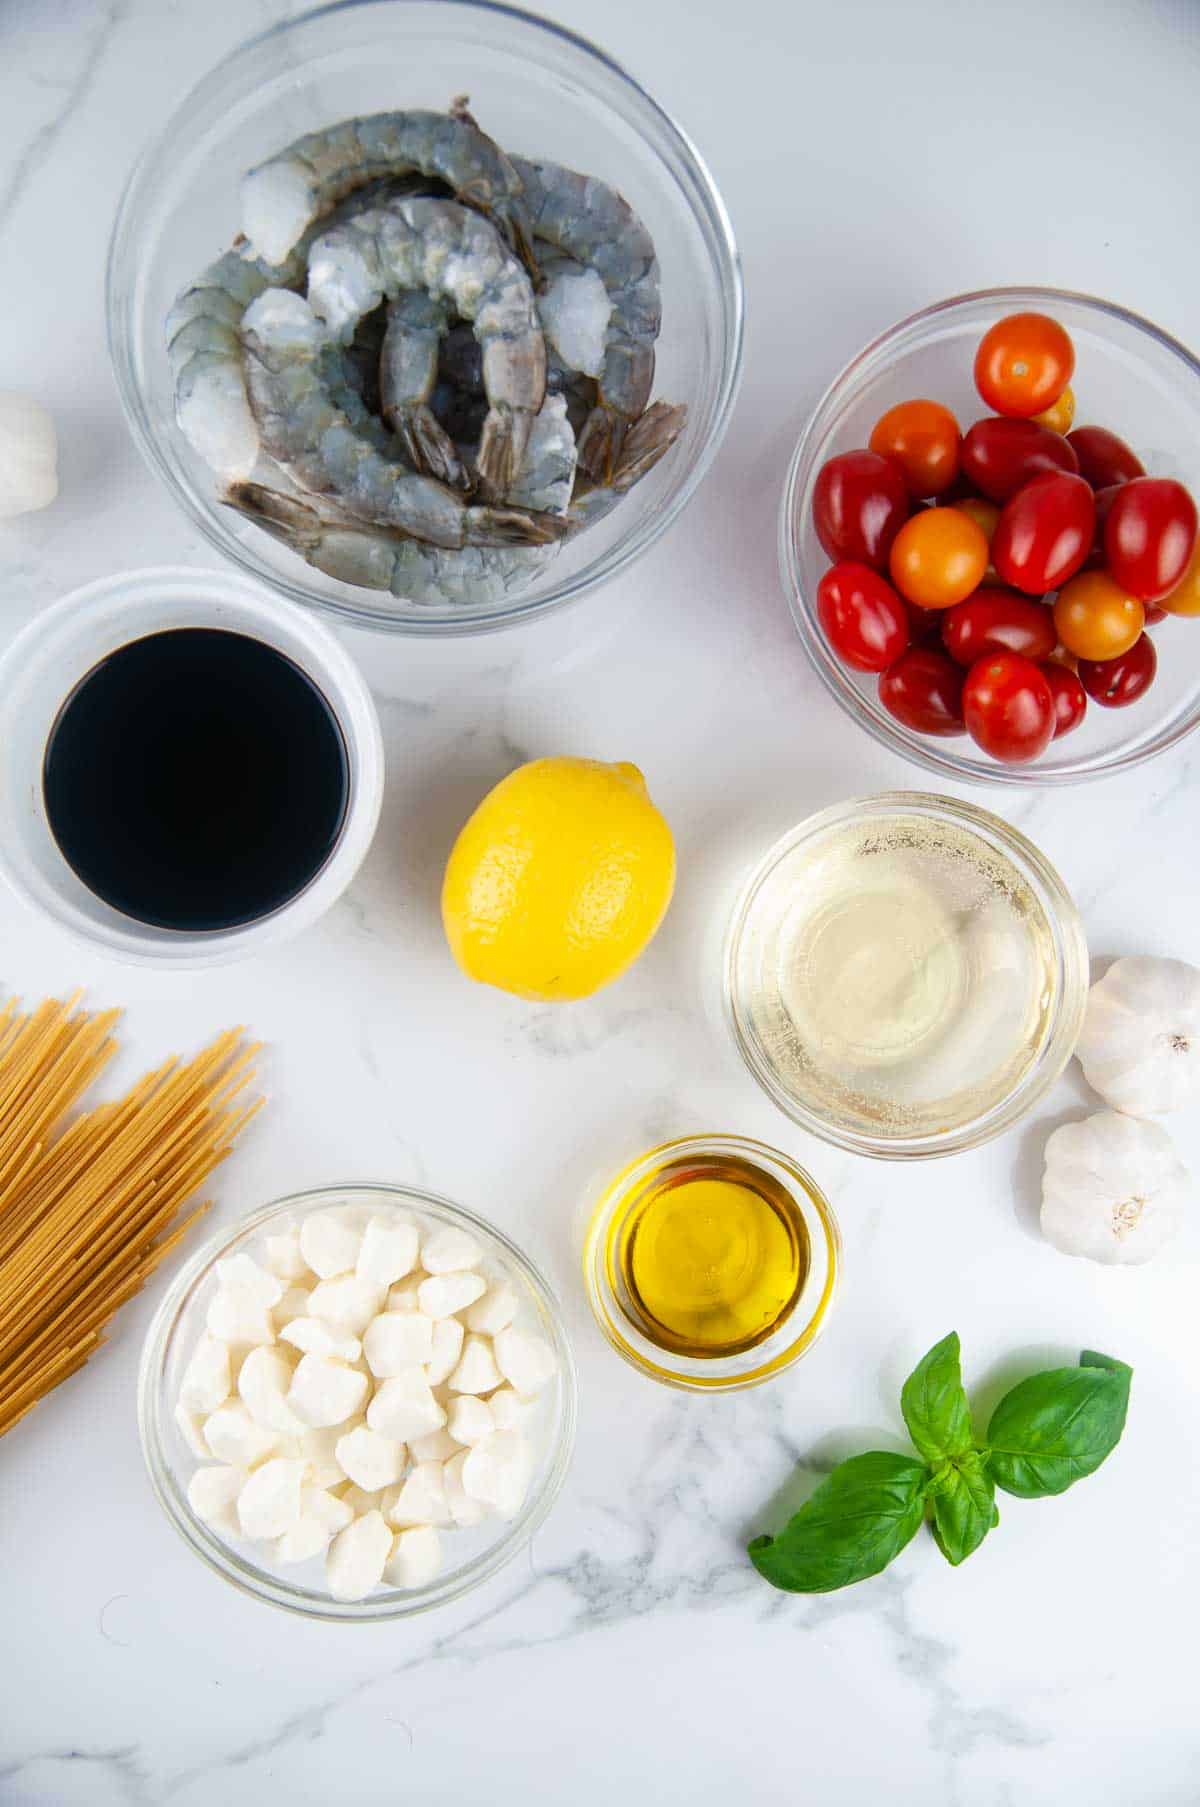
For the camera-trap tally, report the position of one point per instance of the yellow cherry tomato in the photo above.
(938, 557)
(1059, 417)
(1184, 599)
(984, 514)
(1095, 618)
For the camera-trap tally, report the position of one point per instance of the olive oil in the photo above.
(712, 1253)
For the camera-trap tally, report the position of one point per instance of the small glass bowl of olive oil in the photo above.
(711, 1262)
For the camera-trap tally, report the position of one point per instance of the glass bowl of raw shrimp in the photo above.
(540, 92)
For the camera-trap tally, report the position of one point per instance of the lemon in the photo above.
(559, 879)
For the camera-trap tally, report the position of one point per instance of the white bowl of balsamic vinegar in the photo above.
(192, 769)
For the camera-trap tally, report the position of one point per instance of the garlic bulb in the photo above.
(28, 456)
(1114, 1188)
(1140, 1046)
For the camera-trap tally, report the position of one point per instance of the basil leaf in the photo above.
(934, 1404)
(964, 1506)
(1054, 1428)
(854, 1524)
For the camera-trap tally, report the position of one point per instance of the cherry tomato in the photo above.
(1095, 618)
(860, 502)
(1116, 682)
(1000, 456)
(864, 620)
(1103, 458)
(1150, 536)
(938, 557)
(984, 514)
(1184, 599)
(1008, 708)
(1023, 364)
(923, 438)
(1059, 417)
(1044, 534)
(1070, 699)
(923, 689)
(924, 625)
(996, 621)
(1154, 613)
(1060, 656)
(1104, 500)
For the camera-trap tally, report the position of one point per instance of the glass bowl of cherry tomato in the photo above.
(989, 540)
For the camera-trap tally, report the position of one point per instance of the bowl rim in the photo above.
(625, 551)
(1070, 946)
(222, 1558)
(929, 754)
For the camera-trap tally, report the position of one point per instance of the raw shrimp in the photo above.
(449, 252)
(307, 432)
(408, 365)
(205, 355)
(645, 442)
(460, 369)
(591, 223)
(284, 195)
(374, 559)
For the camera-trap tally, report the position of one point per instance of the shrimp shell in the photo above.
(284, 195)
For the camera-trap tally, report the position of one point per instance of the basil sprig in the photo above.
(1044, 1435)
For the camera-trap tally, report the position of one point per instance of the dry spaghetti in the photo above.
(86, 1211)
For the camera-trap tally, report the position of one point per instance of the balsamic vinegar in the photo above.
(196, 779)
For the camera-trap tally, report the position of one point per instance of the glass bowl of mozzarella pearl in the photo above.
(428, 316)
(358, 1403)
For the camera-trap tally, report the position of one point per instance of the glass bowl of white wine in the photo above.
(905, 975)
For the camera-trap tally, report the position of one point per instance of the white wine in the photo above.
(898, 975)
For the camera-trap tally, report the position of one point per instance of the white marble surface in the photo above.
(873, 157)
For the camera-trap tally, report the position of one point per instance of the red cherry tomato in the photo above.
(1150, 535)
(1116, 682)
(996, 621)
(1023, 364)
(1103, 499)
(925, 625)
(864, 620)
(1008, 708)
(1044, 533)
(1001, 456)
(1103, 458)
(923, 689)
(1070, 700)
(921, 437)
(860, 503)
(1154, 614)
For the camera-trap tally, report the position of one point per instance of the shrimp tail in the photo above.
(600, 444)
(511, 527)
(428, 445)
(502, 446)
(648, 440)
(285, 518)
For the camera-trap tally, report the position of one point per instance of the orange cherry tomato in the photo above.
(1023, 364)
(1184, 599)
(923, 438)
(938, 557)
(1095, 618)
(1059, 417)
